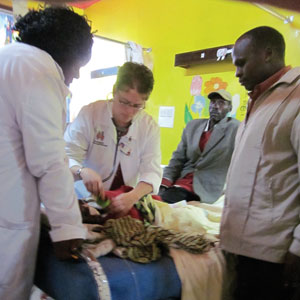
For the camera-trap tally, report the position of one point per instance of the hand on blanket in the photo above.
(92, 181)
(121, 204)
(65, 249)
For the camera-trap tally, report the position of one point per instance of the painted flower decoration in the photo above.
(196, 85)
(215, 84)
(198, 105)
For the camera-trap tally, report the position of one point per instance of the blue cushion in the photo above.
(73, 280)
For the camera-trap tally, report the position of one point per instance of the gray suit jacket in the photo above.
(210, 166)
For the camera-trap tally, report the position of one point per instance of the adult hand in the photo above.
(64, 249)
(93, 182)
(121, 204)
(292, 270)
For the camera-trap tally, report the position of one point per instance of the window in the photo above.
(106, 57)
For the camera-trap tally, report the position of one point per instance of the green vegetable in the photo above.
(103, 203)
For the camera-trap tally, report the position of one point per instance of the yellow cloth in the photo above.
(199, 217)
(200, 274)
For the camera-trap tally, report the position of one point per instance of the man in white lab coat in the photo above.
(53, 44)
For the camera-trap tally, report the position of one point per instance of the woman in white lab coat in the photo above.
(33, 169)
(115, 142)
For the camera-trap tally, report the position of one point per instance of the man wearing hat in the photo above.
(198, 167)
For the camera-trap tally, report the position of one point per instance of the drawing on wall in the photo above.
(199, 100)
(198, 106)
(214, 84)
(6, 29)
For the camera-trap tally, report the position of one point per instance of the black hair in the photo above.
(264, 37)
(134, 75)
(59, 31)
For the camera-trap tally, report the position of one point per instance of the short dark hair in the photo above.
(134, 75)
(264, 36)
(59, 31)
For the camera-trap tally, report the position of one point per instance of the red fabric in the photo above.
(84, 4)
(134, 213)
(166, 182)
(118, 180)
(204, 139)
(156, 197)
(186, 182)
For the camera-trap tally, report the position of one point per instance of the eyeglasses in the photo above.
(134, 106)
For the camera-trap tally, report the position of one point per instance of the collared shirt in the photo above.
(263, 86)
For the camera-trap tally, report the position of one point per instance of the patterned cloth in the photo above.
(146, 208)
(144, 243)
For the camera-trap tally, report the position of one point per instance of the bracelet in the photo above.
(78, 172)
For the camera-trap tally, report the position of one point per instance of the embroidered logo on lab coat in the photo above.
(99, 137)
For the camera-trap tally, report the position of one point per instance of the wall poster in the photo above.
(7, 35)
(201, 86)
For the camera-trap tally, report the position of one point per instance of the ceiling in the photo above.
(83, 4)
(289, 4)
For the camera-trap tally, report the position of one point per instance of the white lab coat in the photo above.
(91, 142)
(33, 166)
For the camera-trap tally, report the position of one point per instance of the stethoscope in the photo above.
(120, 133)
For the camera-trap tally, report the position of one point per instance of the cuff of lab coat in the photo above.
(73, 162)
(295, 247)
(152, 180)
(68, 232)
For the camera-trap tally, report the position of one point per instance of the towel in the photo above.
(134, 53)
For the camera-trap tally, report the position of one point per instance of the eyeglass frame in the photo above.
(128, 104)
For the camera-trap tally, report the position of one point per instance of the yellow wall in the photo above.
(173, 26)
(36, 4)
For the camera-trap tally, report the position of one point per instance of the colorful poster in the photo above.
(6, 28)
(201, 86)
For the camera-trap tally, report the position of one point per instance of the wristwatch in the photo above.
(78, 172)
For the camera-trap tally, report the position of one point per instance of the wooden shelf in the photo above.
(210, 55)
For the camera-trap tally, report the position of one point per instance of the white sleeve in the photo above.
(41, 122)
(150, 169)
(77, 137)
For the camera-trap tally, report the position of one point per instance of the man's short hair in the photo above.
(59, 31)
(264, 36)
(134, 75)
